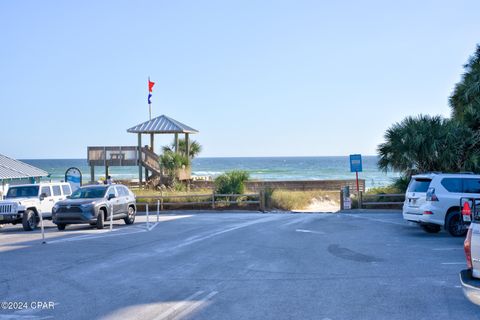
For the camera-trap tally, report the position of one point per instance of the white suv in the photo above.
(24, 203)
(433, 200)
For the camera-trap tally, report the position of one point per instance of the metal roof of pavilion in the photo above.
(14, 169)
(162, 124)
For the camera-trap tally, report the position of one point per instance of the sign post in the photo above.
(356, 166)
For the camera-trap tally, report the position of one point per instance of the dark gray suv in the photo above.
(94, 204)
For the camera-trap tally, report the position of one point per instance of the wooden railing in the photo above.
(150, 160)
(369, 200)
(213, 200)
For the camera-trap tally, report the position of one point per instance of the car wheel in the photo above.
(431, 228)
(100, 219)
(130, 219)
(61, 226)
(29, 220)
(455, 225)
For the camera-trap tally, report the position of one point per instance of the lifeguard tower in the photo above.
(144, 157)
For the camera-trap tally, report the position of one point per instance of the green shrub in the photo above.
(232, 182)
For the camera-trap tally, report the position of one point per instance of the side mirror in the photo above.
(43, 196)
(68, 197)
(111, 196)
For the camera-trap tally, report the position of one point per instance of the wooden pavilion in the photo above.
(143, 157)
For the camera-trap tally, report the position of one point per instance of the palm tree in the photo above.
(465, 99)
(426, 143)
(195, 148)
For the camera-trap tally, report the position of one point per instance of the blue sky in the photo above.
(257, 78)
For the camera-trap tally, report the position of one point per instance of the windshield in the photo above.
(89, 193)
(22, 192)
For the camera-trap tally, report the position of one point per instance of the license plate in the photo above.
(467, 218)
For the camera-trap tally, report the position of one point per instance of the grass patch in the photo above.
(300, 200)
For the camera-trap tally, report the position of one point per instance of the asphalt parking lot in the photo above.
(236, 266)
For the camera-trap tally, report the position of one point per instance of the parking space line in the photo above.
(180, 309)
(446, 249)
(195, 305)
(309, 231)
(93, 236)
(375, 219)
(453, 263)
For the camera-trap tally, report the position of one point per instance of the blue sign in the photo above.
(355, 163)
(74, 177)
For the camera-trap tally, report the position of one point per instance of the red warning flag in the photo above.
(150, 85)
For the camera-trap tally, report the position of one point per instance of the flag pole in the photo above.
(149, 103)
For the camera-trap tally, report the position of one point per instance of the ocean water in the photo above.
(264, 168)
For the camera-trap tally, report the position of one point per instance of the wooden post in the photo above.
(187, 145)
(152, 142)
(176, 142)
(342, 205)
(213, 199)
(261, 198)
(106, 172)
(92, 173)
(140, 160)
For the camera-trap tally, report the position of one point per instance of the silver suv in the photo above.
(95, 205)
(433, 201)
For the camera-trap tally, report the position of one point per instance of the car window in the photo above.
(20, 192)
(452, 184)
(56, 191)
(110, 191)
(125, 190)
(46, 191)
(419, 185)
(66, 190)
(89, 193)
(471, 185)
(119, 191)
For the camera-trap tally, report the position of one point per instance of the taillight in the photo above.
(431, 196)
(467, 246)
(466, 210)
(427, 212)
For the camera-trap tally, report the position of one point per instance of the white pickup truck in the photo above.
(470, 277)
(24, 203)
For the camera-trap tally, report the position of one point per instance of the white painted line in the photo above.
(176, 308)
(184, 313)
(309, 231)
(153, 226)
(93, 236)
(453, 263)
(374, 219)
(196, 239)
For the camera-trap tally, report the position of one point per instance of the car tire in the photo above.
(100, 219)
(130, 219)
(29, 220)
(431, 228)
(455, 225)
(61, 226)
